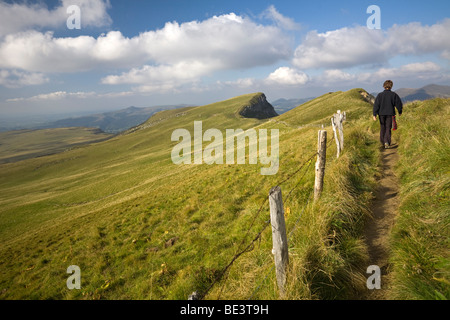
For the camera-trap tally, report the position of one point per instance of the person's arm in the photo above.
(399, 104)
(376, 107)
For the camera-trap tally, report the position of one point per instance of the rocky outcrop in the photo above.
(259, 108)
(368, 97)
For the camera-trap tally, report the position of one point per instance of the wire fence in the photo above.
(250, 245)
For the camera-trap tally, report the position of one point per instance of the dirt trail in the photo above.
(384, 211)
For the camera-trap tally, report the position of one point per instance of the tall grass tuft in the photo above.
(421, 235)
(327, 253)
(336, 258)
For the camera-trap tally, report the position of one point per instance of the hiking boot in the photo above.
(386, 145)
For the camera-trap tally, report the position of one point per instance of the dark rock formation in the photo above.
(368, 97)
(259, 108)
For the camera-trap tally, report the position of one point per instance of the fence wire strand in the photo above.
(250, 246)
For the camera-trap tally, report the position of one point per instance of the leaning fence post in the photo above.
(279, 238)
(340, 120)
(320, 163)
(338, 144)
(336, 120)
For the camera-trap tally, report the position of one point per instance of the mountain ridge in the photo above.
(112, 121)
(140, 226)
(427, 92)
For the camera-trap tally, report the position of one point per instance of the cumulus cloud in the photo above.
(242, 82)
(18, 79)
(15, 17)
(420, 70)
(348, 47)
(336, 75)
(179, 55)
(228, 40)
(429, 71)
(179, 72)
(58, 95)
(280, 20)
(177, 51)
(340, 48)
(287, 76)
(42, 52)
(182, 53)
(161, 78)
(414, 38)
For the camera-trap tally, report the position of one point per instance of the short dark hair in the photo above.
(388, 84)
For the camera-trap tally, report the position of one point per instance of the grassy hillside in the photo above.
(140, 227)
(107, 207)
(24, 144)
(327, 252)
(420, 241)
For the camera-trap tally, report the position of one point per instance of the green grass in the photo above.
(24, 144)
(327, 253)
(105, 207)
(421, 235)
(110, 208)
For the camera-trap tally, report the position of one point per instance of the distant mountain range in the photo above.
(111, 122)
(124, 119)
(283, 105)
(428, 92)
(425, 93)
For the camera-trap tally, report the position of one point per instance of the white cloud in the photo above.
(424, 70)
(42, 52)
(18, 79)
(58, 95)
(336, 75)
(178, 56)
(287, 76)
(180, 72)
(348, 47)
(428, 71)
(283, 22)
(183, 53)
(242, 83)
(177, 51)
(229, 40)
(340, 48)
(17, 17)
(415, 39)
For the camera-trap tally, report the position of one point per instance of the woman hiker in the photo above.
(384, 107)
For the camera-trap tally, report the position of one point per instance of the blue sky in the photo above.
(147, 53)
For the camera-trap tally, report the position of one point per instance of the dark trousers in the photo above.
(385, 129)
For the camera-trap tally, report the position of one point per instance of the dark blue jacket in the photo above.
(386, 102)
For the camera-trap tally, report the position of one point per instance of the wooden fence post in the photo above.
(340, 118)
(338, 144)
(336, 121)
(279, 238)
(320, 164)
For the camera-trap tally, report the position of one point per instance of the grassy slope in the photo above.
(24, 144)
(327, 253)
(104, 207)
(421, 235)
(110, 208)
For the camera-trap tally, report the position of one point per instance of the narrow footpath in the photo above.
(378, 229)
